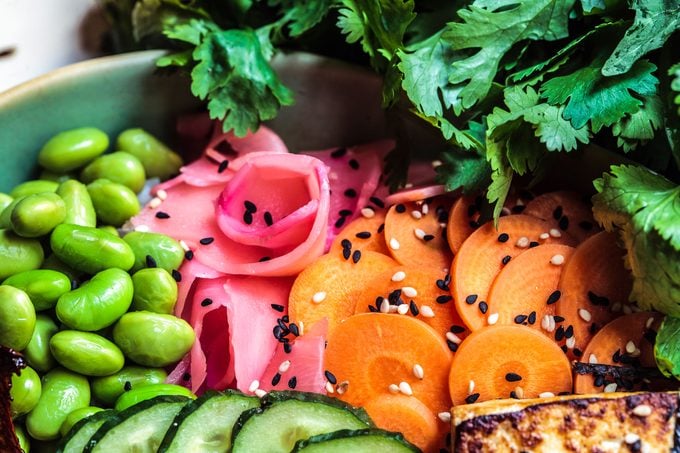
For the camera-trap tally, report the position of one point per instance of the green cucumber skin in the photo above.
(397, 439)
(284, 395)
(64, 447)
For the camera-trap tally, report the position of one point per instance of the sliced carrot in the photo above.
(371, 352)
(481, 258)
(626, 341)
(427, 288)
(364, 233)
(594, 289)
(328, 288)
(567, 211)
(524, 292)
(463, 221)
(414, 233)
(406, 414)
(507, 362)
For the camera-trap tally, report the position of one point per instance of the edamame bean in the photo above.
(154, 290)
(165, 252)
(109, 229)
(72, 149)
(79, 208)
(5, 200)
(146, 392)
(153, 339)
(56, 177)
(33, 187)
(86, 353)
(25, 392)
(43, 286)
(17, 318)
(97, 303)
(158, 160)
(6, 213)
(63, 392)
(37, 352)
(76, 416)
(53, 263)
(121, 167)
(19, 254)
(36, 215)
(24, 442)
(107, 389)
(90, 250)
(114, 203)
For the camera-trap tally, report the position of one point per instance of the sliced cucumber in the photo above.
(139, 428)
(357, 441)
(74, 441)
(291, 416)
(206, 423)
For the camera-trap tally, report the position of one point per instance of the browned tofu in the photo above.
(607, 422)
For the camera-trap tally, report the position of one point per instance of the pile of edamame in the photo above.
(90, 310)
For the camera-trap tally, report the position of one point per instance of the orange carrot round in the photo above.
(463, 221)
(566, 211)
(507, 362)
(364, 233)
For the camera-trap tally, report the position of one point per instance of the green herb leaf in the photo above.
(674, 72)
(666, 351)
(640, 126)
(302, 15)
(464, 169)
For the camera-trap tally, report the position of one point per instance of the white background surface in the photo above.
(46, 34)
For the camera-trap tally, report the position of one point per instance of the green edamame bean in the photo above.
(79, 207)
(56, 177)
(43, 286)
(17, 318)
(109, 229)
(146, 392)
(107, 389)
(121, 167)
(53, 263)
(19, 254)
(6, 213)
(33, 187)
(37, 352)
(5, 200)
(24, 442)
(72, 149)
(153, 339)
(36, 215)
(158, 160)
(97, 303)
(86, 353)
(76, 416)
(114, 203)
(63, 392)
(89, 249)
(154, 290)
(25, 392)
(165, 252)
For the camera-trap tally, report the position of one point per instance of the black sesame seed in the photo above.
(278, 307)
(471, 299)
(330, 377)
(248, 217)
(599, 380)
(292, 382)
(346, 244)
(597, 300)
(127, 386)
(354, 164)
(223, 166)
(287, 347)
(345, 212)
(414, 308)
(264, 258)
(472, 398)
(557, 213)
(189, 255)
(381, 228)
(513, 395)
(563, 223)
(616, 357)
(441, 284)
(569, 331)
(285, 318)
(294, 329)
(558, 318)
(206, 302)
(283, 339)
(186, 376)
(564, 348)
(268, 218)
(506, 259)
(207, 240)
(577, 352)
(452, 346)
(513, 377)
(250, 206)
(372, 309)
(457, 329)
(519, 319)
(339, 152)
(400, 208)
(532, 318)
(340, 222)
(377, 201)
(356, 256)
(150, 262)
(278, 332)
(518, 209)
(554, 297)
(503, 237)
(428, 237)
(483, 307)
(350, 193)
(533, 244)
(363, 234)
(162, 215)
(447, 279)
(276, 379)
(176, 275)
(585, 225)
(346, 253)
(444, 298)
(559, 333)
(282, 324)
(650, 336)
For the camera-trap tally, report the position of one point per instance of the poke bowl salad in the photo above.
(466, 239)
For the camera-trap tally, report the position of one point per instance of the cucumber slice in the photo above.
(206, 423)
(139, 428)
(74, 441)
(357, 441)
(291, 416)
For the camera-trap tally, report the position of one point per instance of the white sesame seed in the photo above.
(557, 260)
(162, 194)
(367, 213)
(398, 276)
(642, 410)
(610, 388)
(418, 371)
(301, 328)
(402, 309)
(408, 185)
(553, 324)
(492, 319)
(393, 308)
(571, 342)
(609, 445)
(471, 387)
(631, 438)
(453, 338)
(585, 314)
(544, 236)
(384, 306)
(184, 246)
(545, 322)
(254, 386)
(409, 291)
(142, 228)
(627, 309)
(616, 307)
(424, 209)
(630, 347)
(436, 163)
(426, 311)
(506, 211)
(342, 387)
(649, 322)
(522, 242)
(554, 232)
(319, 297)
(444, 416)
(394, 244)
(260, 393)
(329, 388)
(405, 388)
(284, 366)
(546, 395)
(155, 202)
(519, 391)
(420, 234)
(393, 388)
(416, 215)
(592, 359)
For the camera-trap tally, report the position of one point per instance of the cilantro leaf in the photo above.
(640, 126)
(645, 207)
(492, 27)
(655, 21)
(598, 99)
(674, 72)
(302, 15)
(593, 5)
(464, 169)
(666, 351)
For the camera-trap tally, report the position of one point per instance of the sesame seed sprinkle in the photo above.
(356, 256)
(206, 240)
(426, 311)
(393, 388)
(413, 308)
(557, 260)
(503, 237)
(409, 291)
(492, 319)
(329, 388)
(162, 194)
(592, 358)
(155, 202)
(630, 347)
(260, 393)
(418, 371)
(292, 382)
(611, 388)
(571, 342)
(400, 208)
(416, 215)
(162, 215)
(554, 232)
(254, 386)
(452, 337)
(631, 438)
(405, 388)
(584, 314)
(420, 234)
(394, 244)
(398, 276)
(642, 410)
(544, 236)
(367, 213)
(472, 398)
(444, 416)
(519, 391)
(206, 302)
(425, 208)
(363, 234)
(522, 242)
(284, 366)
(471, 299)
(649, 322)
(471, 386)
(223, 166)
(512, 377)
(184, 246)
(318, 297)
(483, 307)
(142, 228)
(546, 395)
